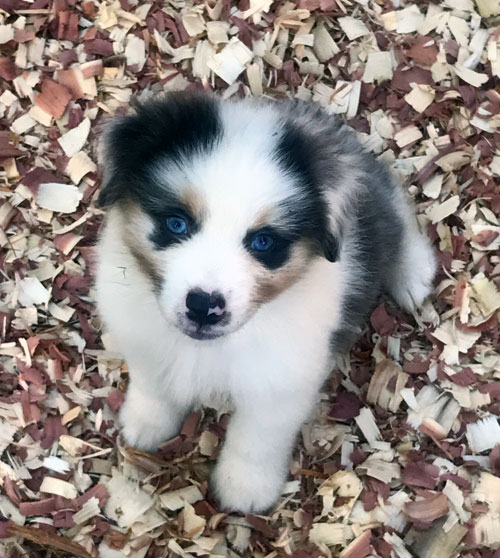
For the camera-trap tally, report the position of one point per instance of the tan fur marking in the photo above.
(270, 284)
(262, 219)
(194, 203)
(136, 242)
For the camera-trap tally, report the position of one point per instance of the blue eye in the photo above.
(262, 242)
(177, 225)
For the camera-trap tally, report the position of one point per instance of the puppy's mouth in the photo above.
(203, 331)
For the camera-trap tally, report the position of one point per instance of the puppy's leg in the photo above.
(148, 418)
(149, 415)
(253, 464)
(410, 279)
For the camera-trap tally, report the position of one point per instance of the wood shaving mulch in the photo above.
(403, 458)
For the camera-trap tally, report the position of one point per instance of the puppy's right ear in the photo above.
(115, 147)
(330, 246)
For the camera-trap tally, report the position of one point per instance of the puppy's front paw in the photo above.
(244, 486)
(145, 429)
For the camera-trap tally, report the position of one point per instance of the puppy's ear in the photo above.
(116, 144)
(171, 127)
(330, 246)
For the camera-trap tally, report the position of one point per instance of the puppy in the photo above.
(244, 246)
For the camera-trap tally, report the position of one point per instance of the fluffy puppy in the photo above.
(244, 246)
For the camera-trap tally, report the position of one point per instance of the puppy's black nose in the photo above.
(204, 308)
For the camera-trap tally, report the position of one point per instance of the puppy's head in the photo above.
(219, 206)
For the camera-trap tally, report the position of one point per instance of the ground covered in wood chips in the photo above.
(402, 459)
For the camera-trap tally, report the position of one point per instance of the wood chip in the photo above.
(45, 539)
(420, 97)
(177, 499)
(51, 485)
(53, 99)
(353, 28)
(439, 212)
(231, 61)
(73, 140)
(407, 136)
(378, 67)
(80, 165)
(59, 197)
(483, 434)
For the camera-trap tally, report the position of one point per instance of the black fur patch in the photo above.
(162, 237)
(297, 155)
(279, 252)
(174, 128)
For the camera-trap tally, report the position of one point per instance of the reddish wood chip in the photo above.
(492, 388)
(485, 238)
(67, 25)
(8, 69)
(458, 480)
(24, 35)
(54, 98)
(190, 426)
(421, 474)
(6, 147)
(115, 539)
(69, 79)
(68, 57)
(262, 526)
(308, 4)
(416, 366)
(99, 46)
(33, 343)
(63, 520)
(495, 460)
(92, 69)
(404, 77)
(423, 51)
(4, 528)
(39, 507)
(346, 407)
(89, 9)
(360, 547)
(101, 527)
(465, 377)
(38, 176)
(12, 491)
(98, 491)
(328, 5)
(115, 399)
(427, 509)
(32, 375)
(52, 430)
(51, 540)
(382, 322)
(370, 501)
(66, 242)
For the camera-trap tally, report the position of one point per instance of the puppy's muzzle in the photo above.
(204, 308)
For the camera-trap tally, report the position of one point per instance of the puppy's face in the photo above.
(217, 212)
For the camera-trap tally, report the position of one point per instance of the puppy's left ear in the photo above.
(116, 147)
(330, 247)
